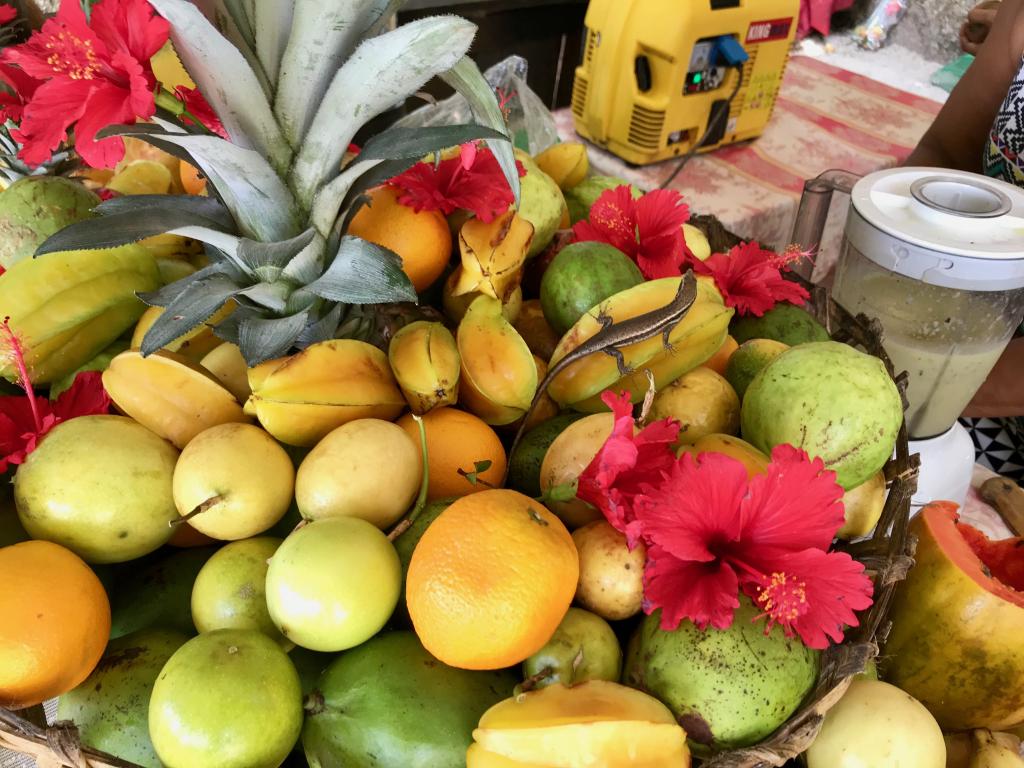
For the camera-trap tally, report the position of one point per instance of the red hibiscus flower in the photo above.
(472, 181)
(7, 14)
(93, 74)
(649, 230)
(627, 460)
(750, 278)
(198, 108)
(711, 532)
(25, 419)
(21, 89)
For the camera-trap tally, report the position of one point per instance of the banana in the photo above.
(299, 399)
(425, 360)
(67, 307)
(194, 344)
(1000, 750)
(228, 366)
(499, 375)
(169, 395)
(566, 163)
(693, 340)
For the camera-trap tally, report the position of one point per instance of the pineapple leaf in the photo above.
(207, 208)
(164, 296)
(323, 35)
(259, 201)
(226, 80)
(465, 77)
(381, 73)
(356, 178)
(272, 23)
(271, 295)
(123, 228)
(224, 242)
(267, 260)
(322, 330)
(308, 264)
(264, 339)
(364, 273)
(389, 9)
(395, 143)
(189, 309)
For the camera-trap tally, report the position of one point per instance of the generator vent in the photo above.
(588, 52)
(579, 95)
(740, 102)
(645, 127)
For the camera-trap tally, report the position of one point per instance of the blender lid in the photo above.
(941, 226)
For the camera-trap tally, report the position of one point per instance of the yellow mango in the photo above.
(67, 307)
(194, 344)
(493, 254)
(425, 360)
(755, 462)
(567, 456)
(692, 341)
(498, 377)
(566, 163)
(226, 363)
(169, 395)
(299, 399)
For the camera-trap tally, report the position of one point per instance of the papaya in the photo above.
(957, 623)
(690, 343)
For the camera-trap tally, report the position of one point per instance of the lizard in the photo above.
(614, 336)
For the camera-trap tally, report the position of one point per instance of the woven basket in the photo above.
(887, 555)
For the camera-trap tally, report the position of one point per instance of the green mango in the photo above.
(525, 462)
(98, 363)
(310, 665)
(581, 197)
(388, 703)
(111, 707)
(160, 595)
(831, 400)
(784, 322)
(728, 688)
(230, 698)
(581, 276)
(540, 202)
(35, 207)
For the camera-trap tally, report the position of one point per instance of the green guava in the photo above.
(831, 400)
(390, 703)
(581, 276)
(784, 322)
(584, 647)
(525, 462)
(230, 698)
(35, 207)
(111, 707)
(747, 361)
(728, 688)
(540, 202)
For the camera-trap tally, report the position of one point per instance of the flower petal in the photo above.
(617, 455)
(107, 104)
(660, 216)
(704, 593)
(796, 504)
(85, 397)
(7, 14)
(693, 513)
(612, 220)
(750, 279)
(56, 105)
(130, 26)
(811, 593)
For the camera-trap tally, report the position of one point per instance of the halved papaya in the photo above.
(958, 620)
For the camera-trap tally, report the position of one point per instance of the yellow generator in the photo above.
(661, 78)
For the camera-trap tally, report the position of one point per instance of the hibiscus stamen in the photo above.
(783, 599)
(18, 356)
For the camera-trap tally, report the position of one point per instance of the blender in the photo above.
(937, 256)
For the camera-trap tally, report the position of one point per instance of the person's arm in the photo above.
(977, 26)
(1002, 394)
(957, 137)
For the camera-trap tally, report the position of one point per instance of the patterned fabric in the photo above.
(997, 444)
(1004, 156)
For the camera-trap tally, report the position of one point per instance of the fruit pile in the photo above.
(428, 452)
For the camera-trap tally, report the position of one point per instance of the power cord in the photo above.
(722, 114)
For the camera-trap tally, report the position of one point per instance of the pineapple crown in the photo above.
(292, 82)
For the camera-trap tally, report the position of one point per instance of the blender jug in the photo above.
(937, 256)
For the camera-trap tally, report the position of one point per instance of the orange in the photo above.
(54, 622)
(457, 440)
(491, 580)
(720, 359)
(191, 178)
(422, 239)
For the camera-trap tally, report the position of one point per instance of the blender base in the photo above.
(947, 465)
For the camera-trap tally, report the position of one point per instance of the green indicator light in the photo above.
(698, 77)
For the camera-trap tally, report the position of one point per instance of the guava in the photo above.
(728, 688)
(830, 400)
(581, 276)
(784, 322)
(524, 464)
(584, 647)
(230, 698)
(748, 360)
(110, 709)
(540, 202)
(581, 197)
(35, 207)
(390, 703)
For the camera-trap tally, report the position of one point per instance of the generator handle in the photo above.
(812, 215)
